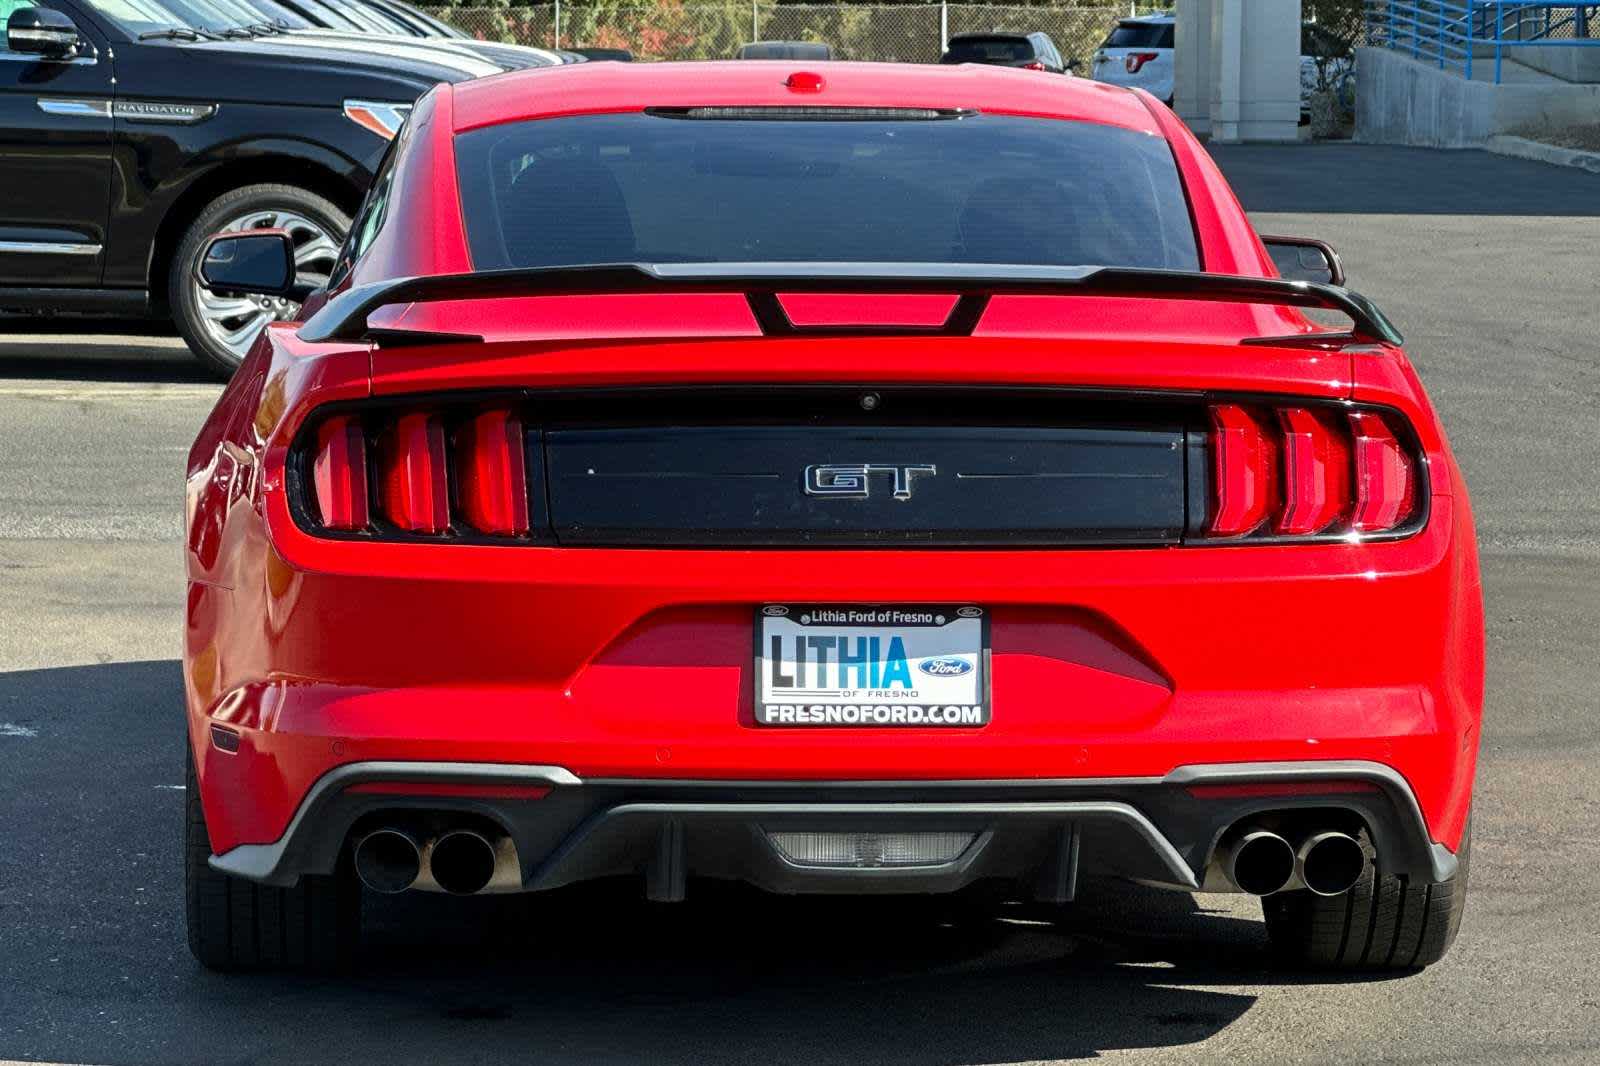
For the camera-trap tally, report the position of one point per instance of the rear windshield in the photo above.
(989, 50)
(642, 187)
(1140, 35)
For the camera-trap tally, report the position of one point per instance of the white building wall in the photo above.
(1237, 68)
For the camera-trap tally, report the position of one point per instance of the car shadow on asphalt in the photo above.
(96, 970)
(77, 348)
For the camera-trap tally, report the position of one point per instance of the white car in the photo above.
(1138, 53)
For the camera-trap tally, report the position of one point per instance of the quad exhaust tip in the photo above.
(1259, 862)
(388, 861)
(1330, 863)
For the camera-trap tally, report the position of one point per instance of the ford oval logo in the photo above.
(945, 666)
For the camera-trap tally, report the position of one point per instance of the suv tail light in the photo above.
(1034, 65)
(421, 472)
(1135, 61)
(1303, 471)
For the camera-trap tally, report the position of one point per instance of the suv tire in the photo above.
(239, 925)
(317, 224)
(1386, 922)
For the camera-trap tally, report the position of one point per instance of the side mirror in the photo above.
(257, 262)
(1305, 259)
(42, 31)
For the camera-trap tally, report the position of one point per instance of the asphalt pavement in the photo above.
(1489, 265)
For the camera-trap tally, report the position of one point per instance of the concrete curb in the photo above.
(1522, 148)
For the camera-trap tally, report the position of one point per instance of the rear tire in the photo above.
(219, 331)
(239, 925)
(1386, 922)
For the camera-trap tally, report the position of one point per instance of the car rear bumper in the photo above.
(1042, 834)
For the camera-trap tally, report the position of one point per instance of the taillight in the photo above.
(415, 495)
(1035, 65)
(491, 473)
(1298, 471)
(431, 473)
(1135, 61)
(1245, 477)
(1316, 471)
(1385, 482)
(339, 474)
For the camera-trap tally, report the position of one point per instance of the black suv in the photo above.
(128, 134)
(1030, 51)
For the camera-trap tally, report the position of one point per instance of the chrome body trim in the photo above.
(48, 248)
(74, 108)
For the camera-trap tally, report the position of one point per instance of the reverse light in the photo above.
(1135, 61)
(339, 474)
(384, 119)
(414, 493)
(491, 473)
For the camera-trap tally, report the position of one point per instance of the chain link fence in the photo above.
(903, 32)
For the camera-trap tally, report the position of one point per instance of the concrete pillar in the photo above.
(1255, 70)
(1191, 64)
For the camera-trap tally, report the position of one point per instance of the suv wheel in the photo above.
(240, 925)
(221, 329)
(1385, 922)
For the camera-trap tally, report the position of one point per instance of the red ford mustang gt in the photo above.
(839, 478)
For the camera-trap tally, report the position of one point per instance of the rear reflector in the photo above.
(491, 474)
(1299, 471)
(463, 789)
(339, 473)
(1268, 789)
(416, 496)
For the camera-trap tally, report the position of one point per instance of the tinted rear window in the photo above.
(639, 187)
(1140, 35)
(989, 50)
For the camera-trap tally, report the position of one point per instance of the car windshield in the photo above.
(659, 187)
(209, 15)
(1140, 35)
(989, 50)
(140, 16)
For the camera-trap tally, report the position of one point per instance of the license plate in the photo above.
(876, 666)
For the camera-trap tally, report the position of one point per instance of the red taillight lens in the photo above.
(1243, 465)
(339, 474)
(439, 471)
(1385, 482)
(1136, 60)
(491, 474)
(1316, 471)
(415, 493)
(1035, 65)
(1307, 470)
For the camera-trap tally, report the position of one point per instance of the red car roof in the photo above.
(609, 87)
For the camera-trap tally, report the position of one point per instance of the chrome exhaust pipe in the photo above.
(388, 860)
(1259, 862)
(462, 861)
(1330, 863)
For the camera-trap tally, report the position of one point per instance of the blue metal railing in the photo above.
(1454, 33)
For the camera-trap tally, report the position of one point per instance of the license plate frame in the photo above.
(944, 653)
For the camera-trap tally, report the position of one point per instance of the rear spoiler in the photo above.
(344, 317)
